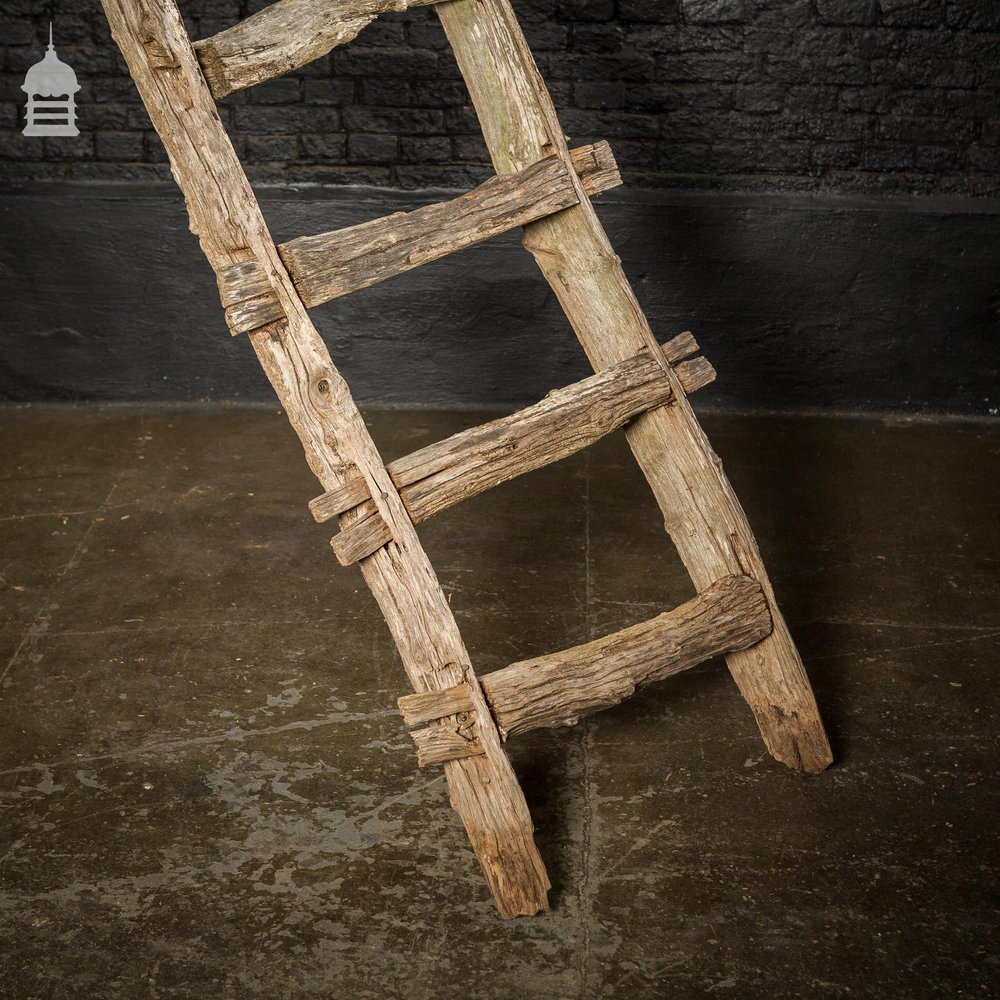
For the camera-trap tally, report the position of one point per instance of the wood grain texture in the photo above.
(566, 421)
(340, 499)
(284, 36)
(701, 512)
(564, 412)
(345, 495)
(469, 463)
(429, 706)
(226, 218)
(445, 741)
(330, 265)
(596, 167)
(560, 688)
(247, 296)
(359, 538)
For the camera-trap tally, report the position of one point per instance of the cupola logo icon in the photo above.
(51, 88)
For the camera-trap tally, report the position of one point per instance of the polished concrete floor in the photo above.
(206, 790)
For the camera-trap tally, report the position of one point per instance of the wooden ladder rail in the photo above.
(543, 186)
(226, 218)
(701, 512)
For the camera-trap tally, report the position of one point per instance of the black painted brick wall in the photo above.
(839, 95)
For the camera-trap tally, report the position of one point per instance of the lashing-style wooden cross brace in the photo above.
(545, 188)
(560, 688)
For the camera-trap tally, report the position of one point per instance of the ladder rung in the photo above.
(566, 421)
(330, 265)
(560, 688)
(246, 290)
(408, 470)
(283, 37)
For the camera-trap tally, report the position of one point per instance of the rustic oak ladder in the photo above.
(457, 718)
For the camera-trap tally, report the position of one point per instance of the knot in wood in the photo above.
(323, 390)
(160, 55)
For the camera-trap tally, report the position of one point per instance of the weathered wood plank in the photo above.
(340, 500)
(596, 167)
(429, 706)
(324, 267)
(360, 538)
(330, 265)
(701, 512)
(410, 469)
(247, 296)
(347, 494)
(565, 422)
(676, 349)
(333, 264)
(695, 374)
(225, 216)
(560, 688)
(473, 461)
(243, 280)
(284, 36)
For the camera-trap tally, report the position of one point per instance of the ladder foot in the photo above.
(801, 744)
(772, 679)
(513, 871)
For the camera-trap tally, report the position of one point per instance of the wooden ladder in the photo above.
(458, 719)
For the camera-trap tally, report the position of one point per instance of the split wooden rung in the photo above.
(330, 265)
(284, 36)
(469, 463)
(560, 688)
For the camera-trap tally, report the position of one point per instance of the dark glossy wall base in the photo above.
(801, 303)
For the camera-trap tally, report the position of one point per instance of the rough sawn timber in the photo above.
(700, 509)
(330, 265)
(469, 463)
(621, 392)
(437, 744)
(564, 422)
(429, 706)
(559, 688)
(225, 216)
(284, 36)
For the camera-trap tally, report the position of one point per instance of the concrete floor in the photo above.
(207, 791)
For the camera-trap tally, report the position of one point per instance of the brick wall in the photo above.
(837, 95)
